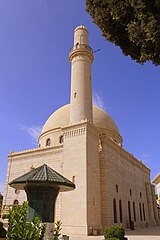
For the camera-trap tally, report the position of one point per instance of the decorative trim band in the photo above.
(75, 132)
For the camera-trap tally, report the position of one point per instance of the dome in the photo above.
(60, 118)
(81, 27)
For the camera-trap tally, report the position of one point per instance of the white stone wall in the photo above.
(96, 165)
(93, 181)
(120, 168)
(158, 192)
(22, 162)
(74, 203)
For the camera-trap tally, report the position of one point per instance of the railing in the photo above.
(81, 46)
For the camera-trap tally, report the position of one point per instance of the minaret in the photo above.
(81, 58)
(81, 209)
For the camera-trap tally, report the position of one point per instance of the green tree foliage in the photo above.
(115, 232)
(20, 229)
(133, 25)
(57, 230)
(113, 238)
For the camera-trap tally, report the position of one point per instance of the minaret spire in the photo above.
(81, 58)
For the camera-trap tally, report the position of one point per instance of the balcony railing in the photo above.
(81, 46)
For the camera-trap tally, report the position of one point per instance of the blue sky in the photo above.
(35, 38)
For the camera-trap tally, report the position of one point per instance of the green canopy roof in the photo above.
(42, 176)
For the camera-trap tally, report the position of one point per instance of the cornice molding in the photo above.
(121, 151)
(49, 131)
(35, 150)
(156, 180)
(81, 52)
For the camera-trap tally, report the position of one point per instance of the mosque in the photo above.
(82, 142)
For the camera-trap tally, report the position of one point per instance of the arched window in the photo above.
(140, 211)
(120, 211)
(75, 95)
(140, 195)
(61, 139)
(114, 211)
(17, 191)
(134, 211)
(116, 188)
(144, 215)
(15, 202)
(73, 179)
(48, 142)
(77, 44)
(129, 212)
(130, 192)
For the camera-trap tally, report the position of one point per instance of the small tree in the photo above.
(57, 230)
(20, 229)
(115, 233)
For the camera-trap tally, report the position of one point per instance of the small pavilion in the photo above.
(42, 186)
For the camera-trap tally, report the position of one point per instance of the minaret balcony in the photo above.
(81, 47)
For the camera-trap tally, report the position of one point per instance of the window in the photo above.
(75, 95)
(130, 192)
(73, 179)
(140, 211)
(116, 188)
(134, 211)
(114, 211)
(120, 211)
(15, 202)
(48, 142)
(17, 191)
(140, 195)
(129, 211)
(144, 215)
(61, 139)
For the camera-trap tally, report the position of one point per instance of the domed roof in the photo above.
(61, 118)
(81, 27)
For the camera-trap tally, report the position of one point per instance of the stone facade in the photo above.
(156, 181)
(83, 143)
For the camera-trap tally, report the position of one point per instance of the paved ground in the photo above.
(142, 234)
